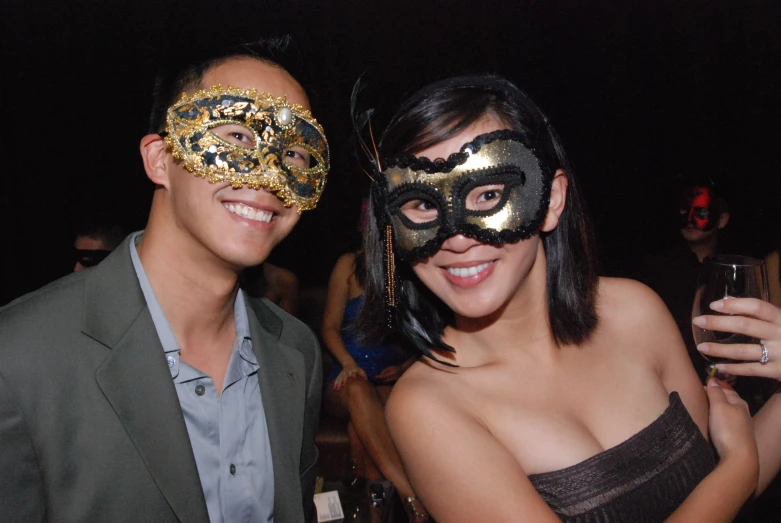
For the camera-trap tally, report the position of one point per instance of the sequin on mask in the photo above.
(277, 130)
(500, 159)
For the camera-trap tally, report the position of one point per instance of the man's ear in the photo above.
(154, 153)
(723, 220)
(558, 199)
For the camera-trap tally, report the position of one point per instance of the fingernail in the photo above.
(703, 347)
(699, 321)
(723, 384)
(713, 382)
(717, 305)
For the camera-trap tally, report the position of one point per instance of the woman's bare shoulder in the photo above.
(622, 299)
(422, 390)
(630, 310)
(634, 316)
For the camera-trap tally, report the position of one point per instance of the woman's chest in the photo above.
(551, 422)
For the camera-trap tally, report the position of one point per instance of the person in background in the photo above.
(362, 377)
(95, 240)
(703, 213)
(279, 286)
(773, 266)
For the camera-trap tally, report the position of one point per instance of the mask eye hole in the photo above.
(419, 210)
(300, 157)
(484, 197)
(237, 135)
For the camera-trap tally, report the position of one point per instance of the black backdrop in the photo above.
(641, 92)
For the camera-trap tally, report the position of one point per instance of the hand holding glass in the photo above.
(726, 277)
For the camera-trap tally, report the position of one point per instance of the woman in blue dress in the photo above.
(362, 376)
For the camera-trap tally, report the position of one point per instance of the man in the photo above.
(703, 213)
(149, 388)
(94, 242)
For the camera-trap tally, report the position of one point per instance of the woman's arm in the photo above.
(761, 320)
(338, 294)
(721, 494)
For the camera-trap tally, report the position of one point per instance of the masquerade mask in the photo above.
(700, 209)
(242, 137)
(91, 257)
(496, 190)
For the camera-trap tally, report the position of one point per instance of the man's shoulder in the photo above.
(62, 296)
(42, 326)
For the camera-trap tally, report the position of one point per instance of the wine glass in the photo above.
(726, 276)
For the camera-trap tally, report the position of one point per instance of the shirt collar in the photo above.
(163, 328)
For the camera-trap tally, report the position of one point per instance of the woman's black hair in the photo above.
(430, 116)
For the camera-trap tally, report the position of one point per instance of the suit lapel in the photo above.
(282, 378)
(137, 383)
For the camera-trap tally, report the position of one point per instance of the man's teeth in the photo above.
(465, 272)
(248, 212)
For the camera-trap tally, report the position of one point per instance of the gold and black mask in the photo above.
(250, 138)
(499, 164)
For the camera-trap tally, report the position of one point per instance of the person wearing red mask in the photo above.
(703, 215)
(672, 273)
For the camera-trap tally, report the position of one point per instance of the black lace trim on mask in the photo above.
(416, 191)
(483, 235)
(440, 165)
(509, 176)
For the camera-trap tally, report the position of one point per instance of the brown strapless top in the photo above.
(642, 480)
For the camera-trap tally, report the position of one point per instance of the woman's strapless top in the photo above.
(642, 480)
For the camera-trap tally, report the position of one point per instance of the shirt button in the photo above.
(200, 390)
(171, 362)
(233, 469)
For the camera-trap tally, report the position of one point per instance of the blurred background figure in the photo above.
(703, 213)
(361, 378)
(278, 285)
(773, 266)
(96, 237)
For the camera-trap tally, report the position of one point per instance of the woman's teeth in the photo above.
(248, 212)
(465, 272)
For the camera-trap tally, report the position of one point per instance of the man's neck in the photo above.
(704, 248)
(195, 290)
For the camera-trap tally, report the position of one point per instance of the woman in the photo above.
(761, 320)
(773, 264)
(362, 376)
(549, 393)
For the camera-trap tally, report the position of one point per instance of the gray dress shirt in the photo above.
(227, 431)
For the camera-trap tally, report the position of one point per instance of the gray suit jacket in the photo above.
(90, 424)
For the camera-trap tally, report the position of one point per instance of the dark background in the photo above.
(641, 92)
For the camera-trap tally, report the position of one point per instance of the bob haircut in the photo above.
(434, 114)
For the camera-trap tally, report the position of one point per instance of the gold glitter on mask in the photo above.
(271, 143)
(500, 160)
